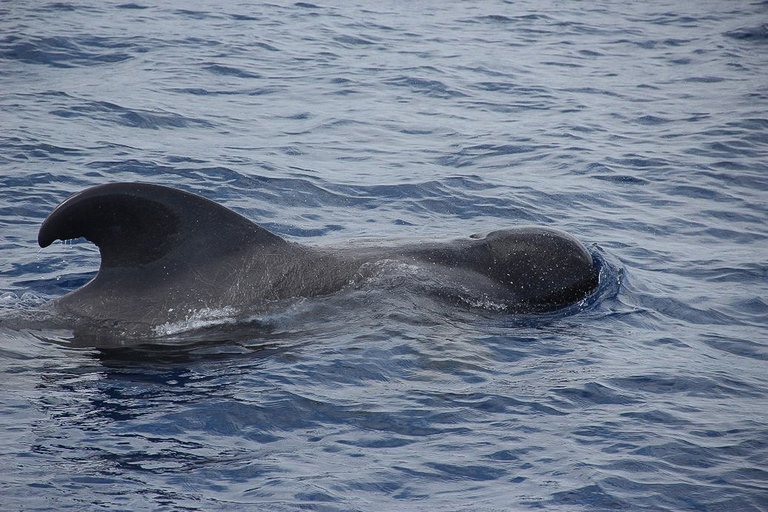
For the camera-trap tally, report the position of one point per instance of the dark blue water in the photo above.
(640, 127)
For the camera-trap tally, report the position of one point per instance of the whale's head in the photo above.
(545, 267)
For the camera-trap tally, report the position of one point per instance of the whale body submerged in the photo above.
(165, 252)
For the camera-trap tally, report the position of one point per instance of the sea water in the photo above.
(639, 127)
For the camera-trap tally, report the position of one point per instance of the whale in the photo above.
(166, 253)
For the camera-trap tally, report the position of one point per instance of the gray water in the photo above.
(638, 127)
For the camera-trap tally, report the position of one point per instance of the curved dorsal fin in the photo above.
(137, 224)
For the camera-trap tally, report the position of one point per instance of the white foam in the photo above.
(9, 298)
(27, 300)
(484, 302)
(197, 319)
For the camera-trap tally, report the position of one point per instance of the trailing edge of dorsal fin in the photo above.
(137, 223)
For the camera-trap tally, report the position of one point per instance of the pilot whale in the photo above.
(166, 253)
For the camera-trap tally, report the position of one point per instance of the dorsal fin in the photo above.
(137, 224)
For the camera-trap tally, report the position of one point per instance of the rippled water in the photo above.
(639, 127)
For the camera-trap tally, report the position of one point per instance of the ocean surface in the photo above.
(639, 127)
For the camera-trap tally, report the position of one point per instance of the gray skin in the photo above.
(166, 253)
